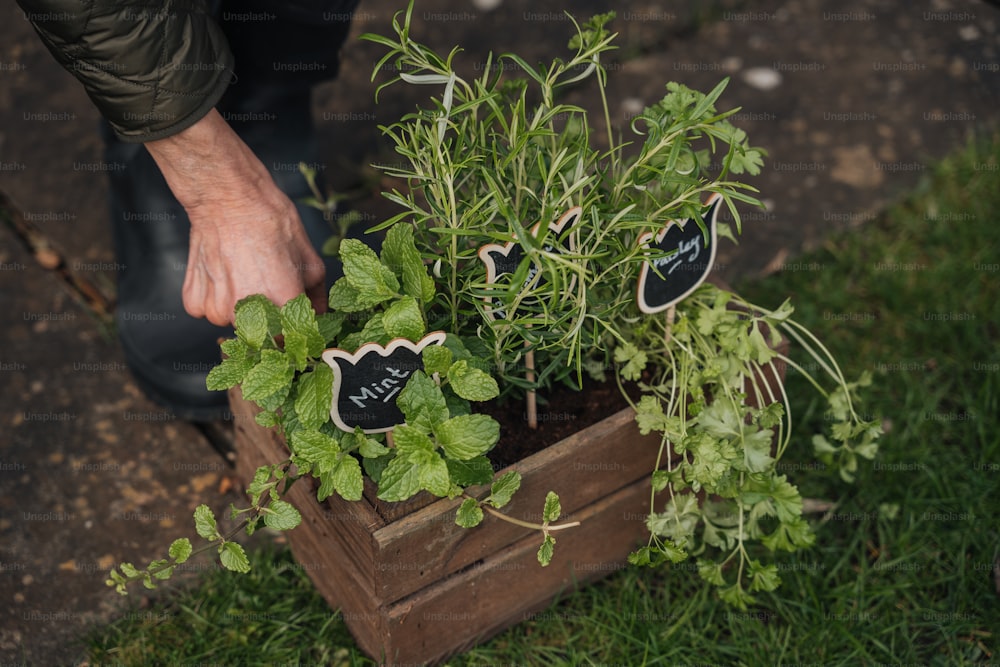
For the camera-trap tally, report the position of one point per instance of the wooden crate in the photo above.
(414, 588)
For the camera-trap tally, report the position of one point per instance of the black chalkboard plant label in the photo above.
(666, 280)
(367, 382)
(501, 259)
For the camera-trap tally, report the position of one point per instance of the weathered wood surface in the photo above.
(590, 464)
(469, 607)
(415, 588)
(401, 584)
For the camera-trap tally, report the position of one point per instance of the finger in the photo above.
(219, 304)
(193, 290)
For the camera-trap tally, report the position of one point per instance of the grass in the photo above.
(903, 570)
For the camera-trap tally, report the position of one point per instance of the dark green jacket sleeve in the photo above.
(152, 68)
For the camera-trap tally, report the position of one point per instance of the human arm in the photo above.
(155, 70)
(246, 236)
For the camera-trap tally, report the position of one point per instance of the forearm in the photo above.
(208, 164)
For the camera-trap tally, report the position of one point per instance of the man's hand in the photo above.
(246, 236)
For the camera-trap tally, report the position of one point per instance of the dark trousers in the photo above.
(286, 43)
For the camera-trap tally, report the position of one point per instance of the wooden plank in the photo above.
(503, 589)
(346, 577)
(588, 465)
(392, 511)
(400, 571)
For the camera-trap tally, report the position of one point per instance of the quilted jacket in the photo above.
(156, 67)
(152, 68)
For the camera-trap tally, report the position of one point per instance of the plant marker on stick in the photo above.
(504, 259)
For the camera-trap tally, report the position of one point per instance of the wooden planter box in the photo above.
(415, 588)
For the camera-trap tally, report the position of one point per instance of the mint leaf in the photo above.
(552, 508)
(302, 336)
(370, 448)
(180, 550)
(234, 348)
(456, 405)
(281, 515)
(261, 483)
(233, 558)
(400, 480)
(411, 440)
(204, 523)
(347, 478)
(504, 489)
(437, 359)
(130, 570)
(365, 272)
(467, 436)
(372, 332)
(546, 550)
(471, 383)
(434, 476)
(256, 318)
(315, 397)
(271, 377)
(345, 298)
(473, 472)
(422, 402)
(374, 467)
(316, 448)
(160, 574)
(329, 325)
(228, 374)
(266, 418)
(298, 316)
(457, 347)
(400, 254)
(403, 319)
(470, 514)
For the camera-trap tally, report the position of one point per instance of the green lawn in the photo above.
(903, 570)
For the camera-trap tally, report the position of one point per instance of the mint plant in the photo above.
(496, 161)
(440, 448)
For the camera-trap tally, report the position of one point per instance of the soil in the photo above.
(562, 411)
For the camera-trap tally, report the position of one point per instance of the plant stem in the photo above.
(527, 524)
